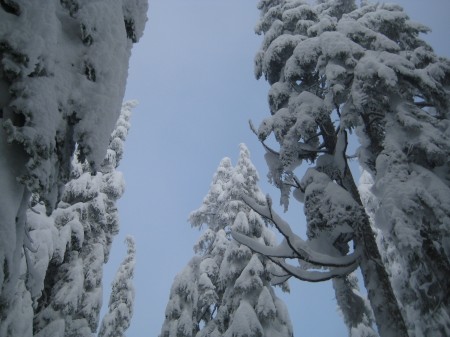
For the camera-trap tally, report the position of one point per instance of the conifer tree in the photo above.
(367, 68)
(74, 244)
(86, 220)
(121, 301)
(63, 70)
(225, 284)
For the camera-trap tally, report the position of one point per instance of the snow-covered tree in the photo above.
(225, 290)
(121, 301)
(59, 292)
(63, 69)
(86, 221)
(335, 68)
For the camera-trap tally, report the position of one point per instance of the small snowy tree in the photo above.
(120, 307)
(367, 69)
(225, 284)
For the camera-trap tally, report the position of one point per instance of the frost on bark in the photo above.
(225, 290)
(335, 68)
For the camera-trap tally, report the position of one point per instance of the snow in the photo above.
(297, 246)
(250, 276)
(265, 308)
(63, 67)
(61, 256)
(326, 23)
(68, 83)
(54, 329)
(68, 290)
(370, 65)
(121, 302)
(276, 55)
(245, 323)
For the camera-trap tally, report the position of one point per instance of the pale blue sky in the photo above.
(192, 73)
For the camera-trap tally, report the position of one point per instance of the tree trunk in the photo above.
(384, 304)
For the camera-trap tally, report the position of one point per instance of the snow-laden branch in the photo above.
(314, 276)
(282, 251)
(293, 246)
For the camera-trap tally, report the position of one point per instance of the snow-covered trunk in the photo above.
(408, 196)
(14, 199)
(369, 69)
(412, 183)
(13, 291)
(12, 195)
(384, 304)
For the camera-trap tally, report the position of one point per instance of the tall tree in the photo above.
(225, 289)
(367, 69)
(121, 301)
(63, 69)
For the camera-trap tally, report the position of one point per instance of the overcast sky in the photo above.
(192, 73)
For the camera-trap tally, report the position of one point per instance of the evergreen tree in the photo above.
(63, 69)
(59, 292)
(120, 308)
(225, 290)
(368, 69)
(86, 221)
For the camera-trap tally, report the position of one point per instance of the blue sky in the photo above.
(192, 73)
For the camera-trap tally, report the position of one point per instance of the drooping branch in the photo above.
(281, 252)
(293, 246)
(314, 276)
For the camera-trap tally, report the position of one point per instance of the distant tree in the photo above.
(63, 70)
(121, 301)
(225, 290)
(335, 68)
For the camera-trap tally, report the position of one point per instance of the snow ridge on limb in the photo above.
(297, 272)
(293, 245)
